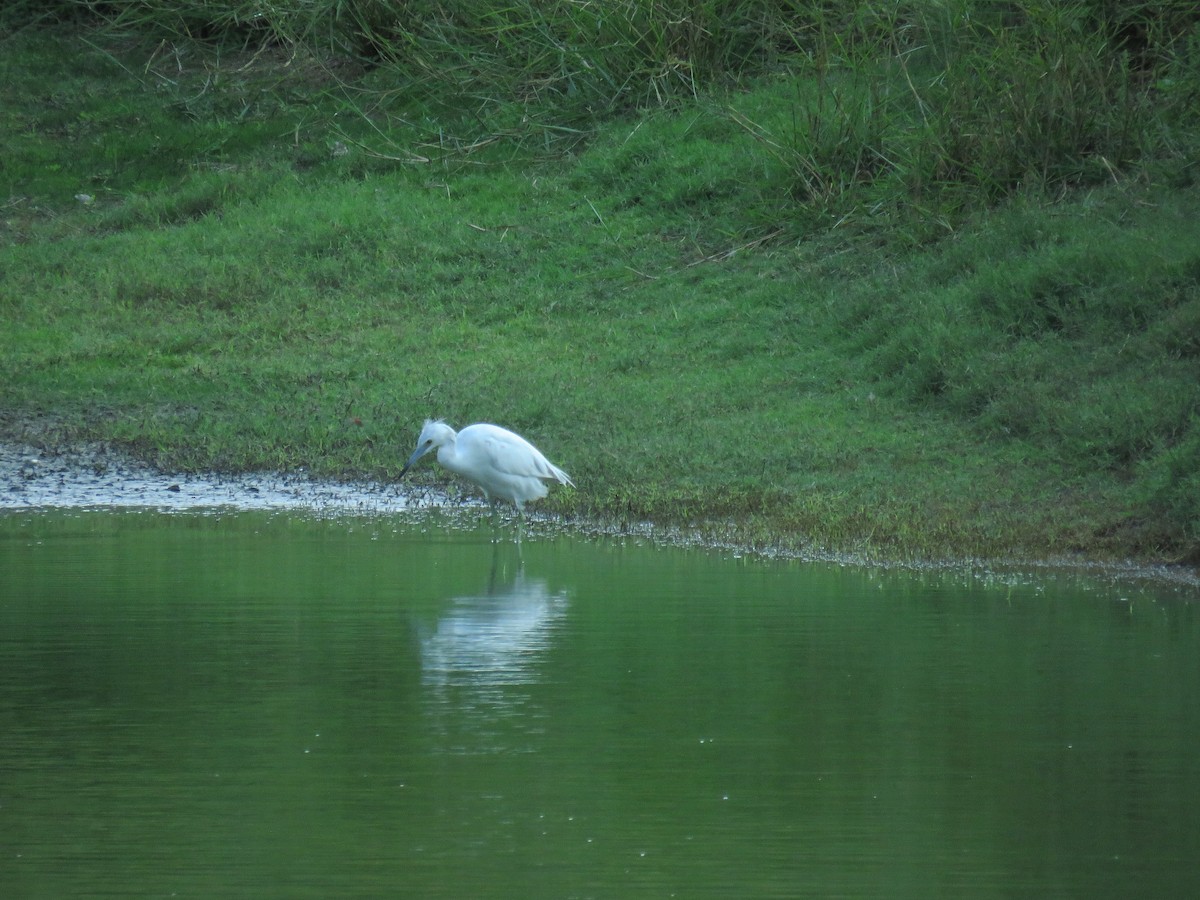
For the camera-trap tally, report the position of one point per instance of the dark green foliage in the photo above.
(921, 114)
(922, 111)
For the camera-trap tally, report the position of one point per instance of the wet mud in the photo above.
(91, 476)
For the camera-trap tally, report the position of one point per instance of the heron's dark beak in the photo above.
(417, 454)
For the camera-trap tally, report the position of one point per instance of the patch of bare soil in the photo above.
(92, 476)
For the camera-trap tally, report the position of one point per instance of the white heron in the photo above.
(502, 463)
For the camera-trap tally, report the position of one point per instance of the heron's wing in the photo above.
(511, 454)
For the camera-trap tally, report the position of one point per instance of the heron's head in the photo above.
(436, 433)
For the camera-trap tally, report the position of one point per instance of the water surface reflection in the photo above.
(486, 650)
(279, 706)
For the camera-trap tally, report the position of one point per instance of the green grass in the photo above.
(722, 311)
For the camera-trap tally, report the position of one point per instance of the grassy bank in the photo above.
(759, 300)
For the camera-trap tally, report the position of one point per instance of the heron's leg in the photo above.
(495, 566)
(495, 520)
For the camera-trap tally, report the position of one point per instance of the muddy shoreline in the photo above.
(92, 476)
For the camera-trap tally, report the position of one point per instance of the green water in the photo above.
(264, 705)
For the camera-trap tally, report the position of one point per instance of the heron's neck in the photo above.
(448, 457)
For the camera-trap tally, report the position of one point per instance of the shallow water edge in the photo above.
(95, 476)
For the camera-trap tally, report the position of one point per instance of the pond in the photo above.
(288, 704)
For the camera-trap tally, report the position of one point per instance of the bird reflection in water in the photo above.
(483, 658)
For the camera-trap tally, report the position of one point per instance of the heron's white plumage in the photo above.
(503, 464)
